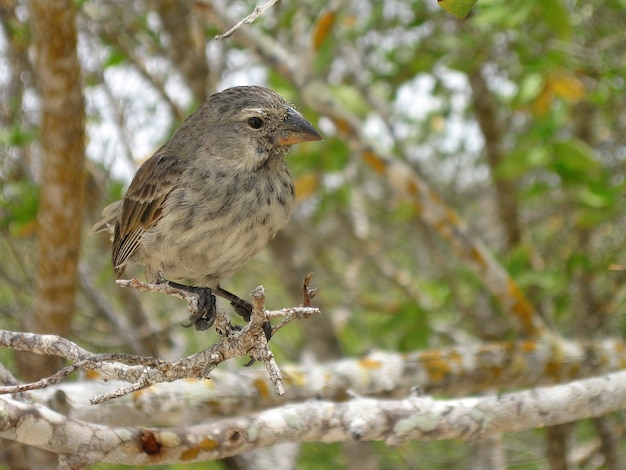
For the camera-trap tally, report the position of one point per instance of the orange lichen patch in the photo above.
(492, 372)
(322, 28)
(412, 188)
(455, 356)
(205, 444)
(208, 444)
(527, 346)
(306, 185)
(292, 376)
(378, 164)
(370, 364)
(189, 454)
(574, 370)
(567, 87)
(453, 217)
(92, 375)
(342, 125)
(478, 258)
(435, 197)
(417, 207)
(436, 365)
(524, 311)
(139, 393)
(262, 387)
(552, 369)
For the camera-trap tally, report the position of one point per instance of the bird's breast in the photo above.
(210, 230)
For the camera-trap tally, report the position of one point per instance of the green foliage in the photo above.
(407, 329)
(18, 207)
(459, 8)
(312, 454)
(17, 136)
(113, 58)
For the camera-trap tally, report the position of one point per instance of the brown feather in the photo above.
(143, 204)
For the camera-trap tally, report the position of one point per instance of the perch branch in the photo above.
(142, 372)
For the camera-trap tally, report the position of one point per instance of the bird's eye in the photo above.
(255, 122)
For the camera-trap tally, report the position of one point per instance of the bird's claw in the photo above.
(204, 317)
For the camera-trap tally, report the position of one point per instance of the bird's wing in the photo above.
(110, 214)
(142, 206)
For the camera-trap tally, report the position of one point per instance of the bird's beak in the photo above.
(294, 129)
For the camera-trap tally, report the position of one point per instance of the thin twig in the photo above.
(308, 292)
(258, 11)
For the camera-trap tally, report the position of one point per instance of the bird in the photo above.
(211, 197)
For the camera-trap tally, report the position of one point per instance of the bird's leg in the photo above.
(205, 316)
(243, 309)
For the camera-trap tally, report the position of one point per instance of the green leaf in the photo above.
(352, 99)
(595, 199)
(409, 328)
(17, 136)
(590, 218)
(519, 162)
(529, 88)
(574, 161)
(459, 8)
(504, 14)
(551, 281)
(557, 17)
(114, 58)
(18, 205)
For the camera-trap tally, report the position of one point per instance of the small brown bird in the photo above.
(211, 197)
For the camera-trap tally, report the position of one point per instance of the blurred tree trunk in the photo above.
(62, 140)
(489, 454)
(186, 48)
(491, 128)
(558, 446)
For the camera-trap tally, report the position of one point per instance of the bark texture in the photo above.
(62, 140)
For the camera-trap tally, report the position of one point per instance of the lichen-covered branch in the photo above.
(457, 371)
(143, 372)
(392, 421)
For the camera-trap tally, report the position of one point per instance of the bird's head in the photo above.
(256, 125)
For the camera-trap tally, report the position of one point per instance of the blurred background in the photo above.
(514, 116)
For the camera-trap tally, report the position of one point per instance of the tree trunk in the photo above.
(62, 140)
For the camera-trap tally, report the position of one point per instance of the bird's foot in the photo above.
(203, 316)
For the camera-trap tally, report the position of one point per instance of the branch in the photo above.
(461, 370)
(360, 419)
(142, 372)
(258, 11)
